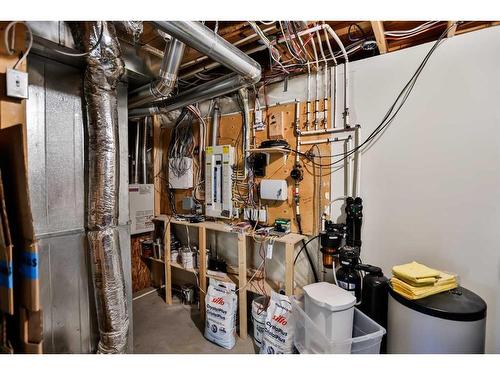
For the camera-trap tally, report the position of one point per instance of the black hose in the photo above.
(304, 246)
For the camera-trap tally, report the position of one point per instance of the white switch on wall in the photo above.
(17, 84)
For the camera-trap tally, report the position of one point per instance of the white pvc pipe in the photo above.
(346, 72)
(322, 141)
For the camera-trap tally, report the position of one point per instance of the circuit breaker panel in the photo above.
(219, 162)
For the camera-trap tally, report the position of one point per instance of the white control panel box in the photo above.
(219, 163)
(276, 190)
(185, 180)
(142, 205)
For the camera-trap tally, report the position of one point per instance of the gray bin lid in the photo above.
(458, 304)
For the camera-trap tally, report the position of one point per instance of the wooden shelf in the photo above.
(241, 279)
(154, 259)
(269, 150)
(249, 286)
(181, 267)
(290, 238)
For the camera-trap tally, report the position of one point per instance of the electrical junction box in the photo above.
(276, 190)
(185, 180)
(258, 123)
(141, 204)
(17, 84)
(255, 214)
(219, 163)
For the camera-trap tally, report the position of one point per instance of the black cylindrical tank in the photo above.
(374, 296)
(347, 276)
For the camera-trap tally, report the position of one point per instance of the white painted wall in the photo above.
(431, 183)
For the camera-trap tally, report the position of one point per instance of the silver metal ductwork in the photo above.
(104, 70)
(163, 86)
(196, 35)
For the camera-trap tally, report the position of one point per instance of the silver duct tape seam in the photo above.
(133, 28)
(104, 69)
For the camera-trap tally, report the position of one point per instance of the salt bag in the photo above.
(221, 304)
(279, 328)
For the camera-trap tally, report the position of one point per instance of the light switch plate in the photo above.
(17, 84)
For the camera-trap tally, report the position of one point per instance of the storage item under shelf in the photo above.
(309, 339)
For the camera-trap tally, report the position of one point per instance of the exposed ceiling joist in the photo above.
(452, 30)
(378, 30)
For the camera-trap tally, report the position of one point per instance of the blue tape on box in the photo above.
(6, 278)
(29, 266)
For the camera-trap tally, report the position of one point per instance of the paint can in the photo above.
(187, 258)
(187, 294)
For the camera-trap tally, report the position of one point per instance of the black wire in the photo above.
(304, 245)
(389, 116)
(98, 42)
(349, 33)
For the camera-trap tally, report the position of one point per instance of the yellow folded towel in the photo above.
(444, 282)
(416, 274)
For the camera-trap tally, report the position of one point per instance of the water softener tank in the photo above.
(452, 322)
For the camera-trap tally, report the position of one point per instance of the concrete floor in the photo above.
(175, 329)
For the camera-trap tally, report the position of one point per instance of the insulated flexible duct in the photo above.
(163, 86)
(104, 70)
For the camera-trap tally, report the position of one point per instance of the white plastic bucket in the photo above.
(331, 308)
(258, 319)
(187, 258)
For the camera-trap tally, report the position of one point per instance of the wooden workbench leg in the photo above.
(168, 269)
(202, 272)
(242, 276)
(289, 249)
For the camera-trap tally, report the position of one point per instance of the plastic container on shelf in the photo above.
(331, 308)
(174, 256)
(310, 339)
(187, 257)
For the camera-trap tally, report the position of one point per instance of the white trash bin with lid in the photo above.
(331, 308)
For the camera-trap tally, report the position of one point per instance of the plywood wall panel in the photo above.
(279, 167)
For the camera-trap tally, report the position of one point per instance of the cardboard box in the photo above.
(6, 271)
(27, 310)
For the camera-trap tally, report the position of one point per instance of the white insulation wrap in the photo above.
(104, 69)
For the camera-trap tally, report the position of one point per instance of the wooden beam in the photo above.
(452, 30)
(242, 294)
(168, 268)
(202, 241)
(378, 30)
